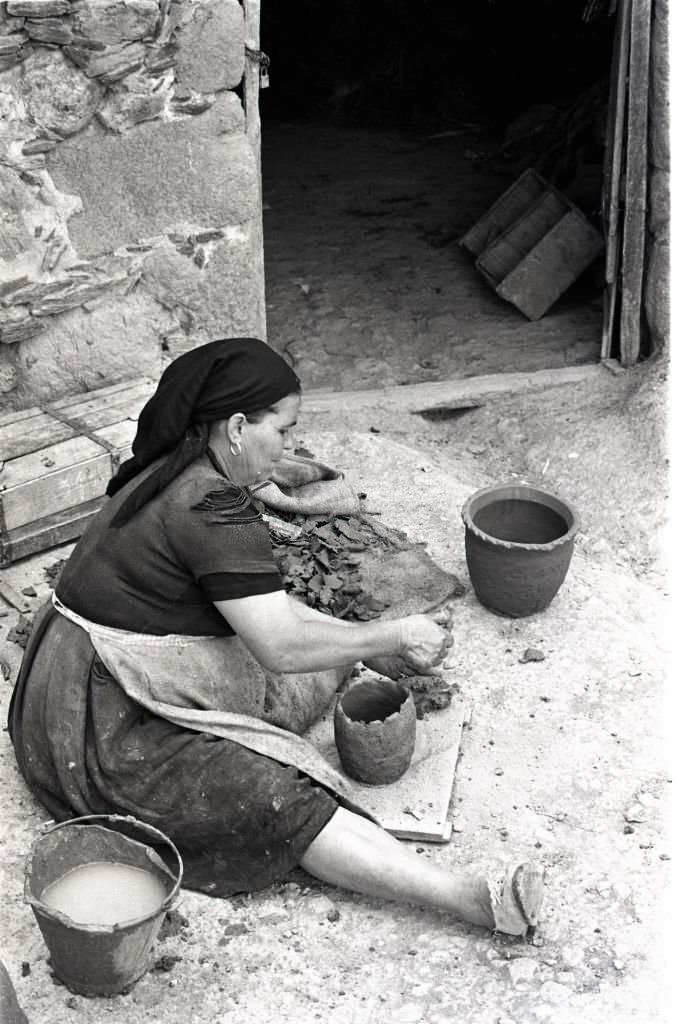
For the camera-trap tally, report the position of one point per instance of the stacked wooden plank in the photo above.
(532, 244)
(56, 461)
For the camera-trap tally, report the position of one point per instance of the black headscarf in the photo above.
(212, 382)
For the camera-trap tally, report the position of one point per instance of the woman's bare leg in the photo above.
(354, 853)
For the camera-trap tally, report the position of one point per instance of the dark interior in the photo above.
(373, 701)
(522, 522)
(388, 130)
(533, 73)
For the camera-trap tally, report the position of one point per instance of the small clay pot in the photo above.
(518, 546)
(375, 730)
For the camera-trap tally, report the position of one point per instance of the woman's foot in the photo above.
(516, 898)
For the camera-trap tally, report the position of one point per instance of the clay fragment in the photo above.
(532, 654)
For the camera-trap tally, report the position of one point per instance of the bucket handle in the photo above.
(94, 819)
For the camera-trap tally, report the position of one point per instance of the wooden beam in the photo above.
(451, 394)
(10, 595)
(251, 90)
(634, 233)
(613, 164)
(252, 14)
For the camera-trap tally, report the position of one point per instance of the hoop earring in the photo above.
(235, 448)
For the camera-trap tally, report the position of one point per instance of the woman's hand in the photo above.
(393, 666)
(425, 641)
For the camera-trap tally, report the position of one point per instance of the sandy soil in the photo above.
(565, 759)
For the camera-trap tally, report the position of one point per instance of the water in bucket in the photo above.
(105, 893)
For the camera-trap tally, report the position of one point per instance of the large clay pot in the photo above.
(518, 545)
(375, 730)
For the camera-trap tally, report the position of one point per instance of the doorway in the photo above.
(387, 131)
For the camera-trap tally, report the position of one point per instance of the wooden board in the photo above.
(13, 597)
(36, 430)
(62, 476)
(31, 430)
(507, 209)
(543, 245)
(613, 168)
(118, 436)
(514, 244)
(104, 406)
(55, 464)
(552, 265)
(634, 229)
(417, 805)
(416, 398)
(252, 18)
(42, 534)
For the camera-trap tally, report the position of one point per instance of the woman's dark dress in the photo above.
(240, 820)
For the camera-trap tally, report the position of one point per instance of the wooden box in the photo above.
(55, 464)
(507, 209)
(532, 244)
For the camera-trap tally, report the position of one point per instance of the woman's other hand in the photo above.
(424, 641)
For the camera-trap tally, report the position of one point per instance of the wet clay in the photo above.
(375, 730)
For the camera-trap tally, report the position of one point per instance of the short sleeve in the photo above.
(222, 541)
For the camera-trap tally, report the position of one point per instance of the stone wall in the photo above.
(129, 190)
(657, 270)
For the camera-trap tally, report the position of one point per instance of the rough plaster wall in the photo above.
(129, 193)
(657, 283)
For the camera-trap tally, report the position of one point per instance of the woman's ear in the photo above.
(234, 426)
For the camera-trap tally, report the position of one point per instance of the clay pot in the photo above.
(518, 546)
(375, 730)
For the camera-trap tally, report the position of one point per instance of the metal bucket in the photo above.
(100, 960)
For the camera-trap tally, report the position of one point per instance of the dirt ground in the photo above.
(566, 759)
(366, 283)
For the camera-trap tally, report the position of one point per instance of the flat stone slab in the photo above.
(158, 175)
(211, 46)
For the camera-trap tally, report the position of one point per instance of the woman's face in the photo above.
(262, 443)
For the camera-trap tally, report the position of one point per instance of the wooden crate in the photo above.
(532, 244)
(505, 211)
(55, 464)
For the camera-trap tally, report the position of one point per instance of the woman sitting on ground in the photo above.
(143, 687)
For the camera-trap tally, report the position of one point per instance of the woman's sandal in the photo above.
(516, 898)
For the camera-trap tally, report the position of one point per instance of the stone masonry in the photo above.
(129, 190)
